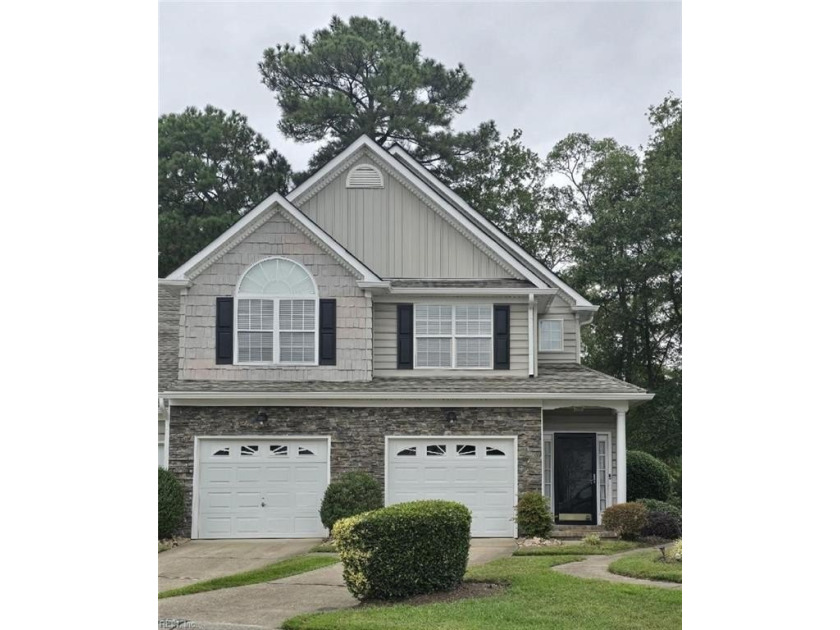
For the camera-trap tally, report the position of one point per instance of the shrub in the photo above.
(170, 504)
(353, 493)
(662, 525)
(404, 549)
(626, 519)
(593, 540)
(533, 515)
(660, 506)
(674, 553)
(647, 477)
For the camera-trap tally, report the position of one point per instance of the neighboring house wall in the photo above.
(559, 309)
(395, 233)
(277, 237)
(385, 341)
(587, 421)
(358, 434)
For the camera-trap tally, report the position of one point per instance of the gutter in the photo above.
(362, 396)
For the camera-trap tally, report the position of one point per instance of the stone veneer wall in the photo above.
(358, 434)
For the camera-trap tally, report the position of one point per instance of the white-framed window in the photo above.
(276, 315)
(453, 336)
(551, 335)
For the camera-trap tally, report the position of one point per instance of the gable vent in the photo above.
(365, 176)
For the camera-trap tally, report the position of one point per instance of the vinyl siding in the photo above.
(395, 233)
(570, 354)
(385, 343)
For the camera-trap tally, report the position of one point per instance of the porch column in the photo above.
(621, 455)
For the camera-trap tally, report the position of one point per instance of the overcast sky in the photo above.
(548, 68)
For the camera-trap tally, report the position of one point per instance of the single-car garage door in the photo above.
(476, 471)
(261, 488)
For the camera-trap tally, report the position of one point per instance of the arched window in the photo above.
(277, 314)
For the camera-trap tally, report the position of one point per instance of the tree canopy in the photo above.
(364, 77)
(212, 168)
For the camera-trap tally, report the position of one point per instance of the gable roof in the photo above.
(412, 181)
(488, 227)
(257, 217)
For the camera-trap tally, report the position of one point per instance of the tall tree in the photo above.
(212, 168)
(364, 77)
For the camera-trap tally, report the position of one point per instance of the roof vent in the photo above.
(365, 176)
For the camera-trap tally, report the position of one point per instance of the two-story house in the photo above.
(372, 320)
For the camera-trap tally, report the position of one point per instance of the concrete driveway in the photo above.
(205, 559)
(268, 605)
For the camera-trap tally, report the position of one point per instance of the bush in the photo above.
(404, 549)
(674, 553)
(170, 504)
(593, 540)
(647, 477)
(660, 506)
(533, 515)
(662, 525)
(626, 519)
(353, 493)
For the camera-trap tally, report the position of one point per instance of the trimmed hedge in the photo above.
(533, 516)
(404, 549)
(647, 477)
(626, 519)
(170, 504)
(662, 525)
(660, 506)
(353, 493)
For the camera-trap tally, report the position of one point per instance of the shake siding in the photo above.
(560, 309)
(276, 238)
(395, 234)
(385, 344)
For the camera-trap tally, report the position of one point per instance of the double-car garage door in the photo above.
(272, 487)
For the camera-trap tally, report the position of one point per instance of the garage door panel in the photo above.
(278, 474)
(248, 474)
(245, 500)
(436, 474)
(215, 475)
(218, 526)
(217, 500)
(498, 499)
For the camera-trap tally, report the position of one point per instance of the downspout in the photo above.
(531, 335)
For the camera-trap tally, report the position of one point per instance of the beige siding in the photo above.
(276, 238)
(570, 354)
(587, 421)
(385, 344)
(396, 234)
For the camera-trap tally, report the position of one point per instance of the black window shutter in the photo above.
(327, 333)
(501, 336)
(224, 330)
(405, 336)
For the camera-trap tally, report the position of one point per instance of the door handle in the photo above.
(262, 503)
(594, 480)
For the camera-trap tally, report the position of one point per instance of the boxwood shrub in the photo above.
(662, 525)
(660, 506)
(404, 549)
(533, 515)
(626, 519)
(647, 477)
(351, 494)
(170, 504)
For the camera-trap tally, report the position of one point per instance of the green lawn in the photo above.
(281, 569)
(648, 567)
(537, 599)
(604, 549)
(328, 547)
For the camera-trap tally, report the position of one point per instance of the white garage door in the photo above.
(478, 472)
(261, 488)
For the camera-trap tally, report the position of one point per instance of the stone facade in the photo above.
(358, 434)
(277, 237)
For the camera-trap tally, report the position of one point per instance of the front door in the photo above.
(574, 478)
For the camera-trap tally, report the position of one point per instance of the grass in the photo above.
(537, 599)
(328, 547)
(648, 566)
(604, 549)
(281, 569)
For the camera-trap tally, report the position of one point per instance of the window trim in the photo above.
(453, 336)
(562, 332)
(275, 334)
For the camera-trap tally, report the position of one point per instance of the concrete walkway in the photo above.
(206, 559)
(595, 568)
(268, 605)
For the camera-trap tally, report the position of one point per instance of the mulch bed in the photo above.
(465, 590)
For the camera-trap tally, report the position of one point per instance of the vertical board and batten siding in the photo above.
(385, 344)
(594, 421)
(277, 237)
(395, 233)
(560, 310)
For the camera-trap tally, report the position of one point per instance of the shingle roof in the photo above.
(168, 315)
(558, 379)
(506, 283)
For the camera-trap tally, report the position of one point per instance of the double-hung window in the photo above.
(453, 336)
(276, 315)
